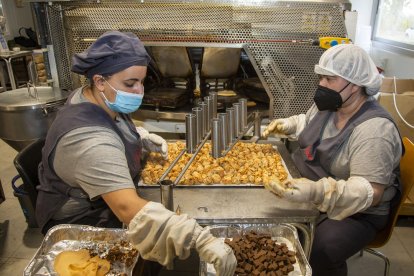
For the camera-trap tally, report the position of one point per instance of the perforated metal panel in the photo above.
(274, 34)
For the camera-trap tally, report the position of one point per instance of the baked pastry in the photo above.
(73, 263)
(245, 163)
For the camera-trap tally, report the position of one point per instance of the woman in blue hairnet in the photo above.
(91, 160)
(349, 152)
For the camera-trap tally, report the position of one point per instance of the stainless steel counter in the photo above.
(212, 205)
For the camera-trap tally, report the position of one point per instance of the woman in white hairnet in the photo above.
(91, 160)
(349, 152)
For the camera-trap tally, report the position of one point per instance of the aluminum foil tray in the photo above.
(285, 233)
(66, 237)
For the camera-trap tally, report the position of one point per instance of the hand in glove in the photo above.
(338, 198)
(289, 127)
(297, 189)
(214, 251)
(161, 235)
(153, 142)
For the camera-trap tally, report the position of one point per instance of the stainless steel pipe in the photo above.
(204, 111)
(213, 96)
(209, 101)
(224, 130)
(237, 119)
(243, 115)
(215, 138)
(190, 133)
(257, 123)
(232, 125)
(168, 170)
(167, 198)
(177, 180)
(199, 123)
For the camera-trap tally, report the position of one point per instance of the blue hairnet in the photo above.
(112, 52)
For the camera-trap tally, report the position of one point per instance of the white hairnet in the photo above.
(351, 63)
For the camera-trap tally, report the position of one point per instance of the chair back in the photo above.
(407, 179)
(27, 163)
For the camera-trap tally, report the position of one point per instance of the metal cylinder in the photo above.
(190, 133)
(209, 101)
(215, 138)
(237, 118)
(257, 123)
(213, 95)
(232, 125)
(199, 123)
(243, 116)
(167, 199)
(204, 111)
(224, 130)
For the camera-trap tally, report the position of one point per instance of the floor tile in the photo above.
(368, 264)
(14, 266)
(3, 261)
(14, 230)
(405, 233)
(32, 239)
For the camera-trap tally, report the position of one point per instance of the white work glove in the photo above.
(153, 142)
(338, 198)
(161, 235)
(286, 128)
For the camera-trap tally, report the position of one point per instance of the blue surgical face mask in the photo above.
(125, 102)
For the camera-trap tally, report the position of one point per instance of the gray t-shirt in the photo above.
(371, 151)
(91, 158)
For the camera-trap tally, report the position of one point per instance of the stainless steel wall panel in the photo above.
(275, 35)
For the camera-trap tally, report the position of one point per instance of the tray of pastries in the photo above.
(246, 164)
(72, 250)
(262, 249)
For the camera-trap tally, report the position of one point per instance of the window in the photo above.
(394, 24)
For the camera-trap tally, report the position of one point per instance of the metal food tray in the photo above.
(66, 237)
(241, 185)
(279, 232)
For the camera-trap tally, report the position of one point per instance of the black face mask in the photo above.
(328, 99)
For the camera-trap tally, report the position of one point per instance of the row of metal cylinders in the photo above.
(225, 127)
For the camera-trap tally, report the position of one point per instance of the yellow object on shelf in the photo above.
(328, 42)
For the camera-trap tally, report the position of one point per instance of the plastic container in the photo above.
(39, 59)
(25, 203)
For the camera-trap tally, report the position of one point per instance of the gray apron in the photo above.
(54, 192)
(314, 156)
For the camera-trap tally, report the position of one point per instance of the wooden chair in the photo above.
(407, 178)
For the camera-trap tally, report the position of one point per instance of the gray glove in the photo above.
(153, 142)
(338, 198)
(161, 235)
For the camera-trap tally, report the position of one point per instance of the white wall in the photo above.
(399, 65)
(17, 17)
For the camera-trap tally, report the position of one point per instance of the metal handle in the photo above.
(51, 107)
(32, 72)
(29, 86)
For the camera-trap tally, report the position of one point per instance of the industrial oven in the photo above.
(260, 50)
